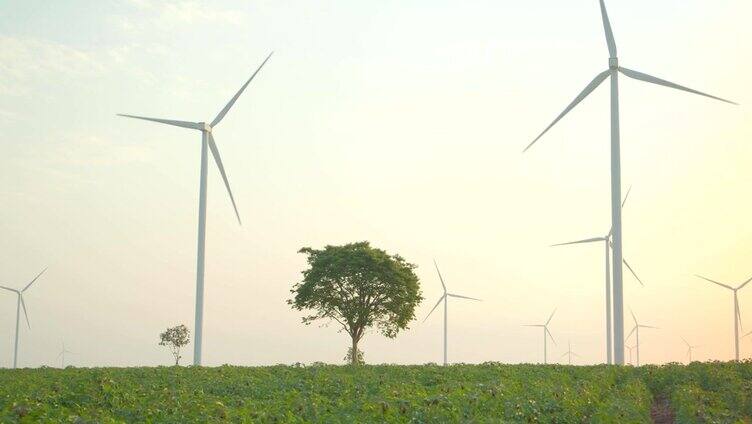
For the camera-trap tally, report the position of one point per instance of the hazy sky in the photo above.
(397, 122)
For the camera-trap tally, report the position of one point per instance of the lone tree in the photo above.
(359, 287)
(175, 338)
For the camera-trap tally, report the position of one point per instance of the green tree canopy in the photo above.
(358, 287)
(175, 338)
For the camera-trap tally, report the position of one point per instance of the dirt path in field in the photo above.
(661, 412)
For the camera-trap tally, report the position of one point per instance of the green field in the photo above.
(701, 392)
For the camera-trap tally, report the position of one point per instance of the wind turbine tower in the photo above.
(21, 304)
(736, 313)
(546, 335)
(444, 297)
(612, 73)
(207, 144)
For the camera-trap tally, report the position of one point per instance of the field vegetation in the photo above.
(487, 393)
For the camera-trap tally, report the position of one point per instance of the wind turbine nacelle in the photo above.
(613, 63)
(203, 126)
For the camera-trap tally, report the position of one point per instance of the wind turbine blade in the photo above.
(607, 29)
(549, 318)
(533, 325)
(550, 335)
(59, 355)
(32, 281)
(9, 289)
(744, 284)
(440, 277)
(183, 124)
(632, 271)
(630, 334)
(747, 335)
(26, 314)
(623, 202)
(653, 80)
(580, 97)
(463, 297)
(226, 109)
(649, 326)
(434, 308)
(714, 282)
(738, 315)
(218, 161)
(633, 316)
(626, 196)
(590, 240)
(564, 354)
(574, 354)
(686, 342)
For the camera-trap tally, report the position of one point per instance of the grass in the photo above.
(486, 393)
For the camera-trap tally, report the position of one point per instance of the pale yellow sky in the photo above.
(401, 124)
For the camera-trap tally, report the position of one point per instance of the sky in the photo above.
(397, 122)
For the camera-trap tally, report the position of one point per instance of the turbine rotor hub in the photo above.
(205, 127)
(613, 63)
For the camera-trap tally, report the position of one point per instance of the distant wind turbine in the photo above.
(630, 349)
(546, 335)
(613, 72)
(21, 304)
(607, 244)
(737, 313)
(61, 356)
(690, 348)
(444, 298)
(207, 143)
(569, 354)
(636, 332)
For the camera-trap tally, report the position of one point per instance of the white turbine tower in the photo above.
(444, 298)
(61, 356)
(569, 354)
(613, 72)
(636, 332)
(607, 243)
(207, 143)
(737, 313)
(690, 348)
(21, 304)
(546, 335)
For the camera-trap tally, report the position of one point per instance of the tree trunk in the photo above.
(354, 353)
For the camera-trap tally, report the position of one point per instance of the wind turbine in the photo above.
(636, 332)
(207, 143)
(21, 304)
(62, 355)
(613, 72)
(546, 335)
(569, 354)
(607, 244)
(444, 298)
(689, 349)
(629, 348)
(737, 313)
